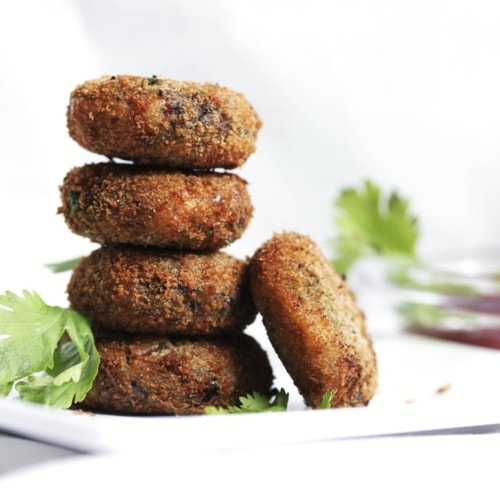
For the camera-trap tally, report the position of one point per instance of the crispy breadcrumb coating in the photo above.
(313, 321)
(149, 290)
(162, 121)
(164, 375)
(113, 203)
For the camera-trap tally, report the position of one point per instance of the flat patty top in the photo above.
(163, 121)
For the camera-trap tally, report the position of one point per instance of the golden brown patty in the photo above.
(158, 291)
(154, 375)
(156, 120)
(313, 321)
(111, 203)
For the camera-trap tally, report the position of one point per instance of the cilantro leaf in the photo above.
(371, 224)
(326, 401)
(66, 265)
(257, 403)
(33, 358)
(254, 403)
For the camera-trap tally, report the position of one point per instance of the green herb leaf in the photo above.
(63, 266)
(326, 401)
(257, 403)
(436, 317)
(254, 403)
(371, 224)
(428, 279)
(34, 358)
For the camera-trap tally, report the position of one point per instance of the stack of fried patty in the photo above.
(168, 306)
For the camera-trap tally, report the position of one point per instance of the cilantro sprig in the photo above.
(253, 403)
(35, 360)
(258, 403)
(369, 223)
(436, 316)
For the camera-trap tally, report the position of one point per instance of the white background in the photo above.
(405, 93)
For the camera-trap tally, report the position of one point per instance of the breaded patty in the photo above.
(313, 321)
(159, 375)
(162, 121)
(151, 290)
(113, 203)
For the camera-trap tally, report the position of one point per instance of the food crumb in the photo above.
(443, 389)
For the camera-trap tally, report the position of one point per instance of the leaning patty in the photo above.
(313, 321)
(116, 203)
(160, 375)
(152, 290)
(163, 121)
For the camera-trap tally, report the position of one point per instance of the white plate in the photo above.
(425, 385)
